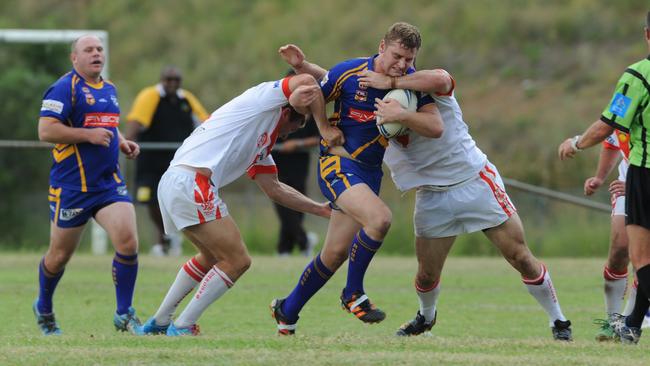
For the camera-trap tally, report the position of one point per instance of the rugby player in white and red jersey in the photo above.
(237, 139)
(458, 191)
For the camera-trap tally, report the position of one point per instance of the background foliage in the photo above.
(529, 74)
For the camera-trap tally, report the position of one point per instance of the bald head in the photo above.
(83, 40)
(87, 56)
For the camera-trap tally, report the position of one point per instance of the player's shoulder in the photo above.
(65, 80)
(109, 83)
(62, 86)
(351, 64)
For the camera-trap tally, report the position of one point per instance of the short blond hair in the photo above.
(404, 33)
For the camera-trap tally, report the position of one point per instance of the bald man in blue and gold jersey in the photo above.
(80, 114)
(350, 174)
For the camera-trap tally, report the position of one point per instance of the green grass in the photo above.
(485, 317)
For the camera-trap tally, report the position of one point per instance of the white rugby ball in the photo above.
(409, 101)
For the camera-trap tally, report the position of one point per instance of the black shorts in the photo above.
(637, 197)
(151, 165)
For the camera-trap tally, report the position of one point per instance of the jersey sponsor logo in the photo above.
(102, 100)
(262, 139)
(52, 106)
(361, 116)
(121, 190)
(114, 100)
(102, 120)
(276, 84)
(68, 214)
(620, 105)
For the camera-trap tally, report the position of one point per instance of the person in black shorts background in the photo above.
(292, 157)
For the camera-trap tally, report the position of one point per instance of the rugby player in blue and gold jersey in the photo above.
(80, 114)
(350, 174)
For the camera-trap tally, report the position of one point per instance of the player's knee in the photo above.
(128, 245)
(425, 279)
(381, 223)
(524, 261)
(56, 260)
(244, 263)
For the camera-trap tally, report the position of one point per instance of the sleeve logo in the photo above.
(325, 80)
(52, 106)
(620, 105)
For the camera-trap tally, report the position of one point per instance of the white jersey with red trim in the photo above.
(416, 161)
(619, 140)
(238, 137)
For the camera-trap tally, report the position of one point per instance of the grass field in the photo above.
(486, 317)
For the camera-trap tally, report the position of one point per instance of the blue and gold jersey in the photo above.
(354, 110)
(77, 103)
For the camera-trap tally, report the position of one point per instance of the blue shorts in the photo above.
(71, 208)
(336, 174)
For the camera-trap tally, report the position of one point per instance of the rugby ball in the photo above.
(409, 101)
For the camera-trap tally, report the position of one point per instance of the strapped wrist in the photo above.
(393, 82)
(574, 143)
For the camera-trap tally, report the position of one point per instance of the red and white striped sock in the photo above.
(214, 285)
(188, 277)
(615, 288)
(543, 291)
(428, 299)
(631, 299)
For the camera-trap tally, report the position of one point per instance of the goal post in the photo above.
(99, 241)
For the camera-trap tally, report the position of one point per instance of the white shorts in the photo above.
(473, 205)
(618, 205)
(188, 198)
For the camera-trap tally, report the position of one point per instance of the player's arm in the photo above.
(629, 93)
(54, 131)
(434, 82)
(290, 197)
(294, 56)
(426, 121)
(606, 162)
(595, 134)
(128, 147)
(306, 97)
(133, 128)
